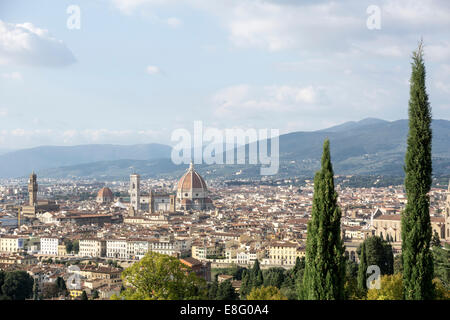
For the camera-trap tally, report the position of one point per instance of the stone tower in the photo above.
(32, 190)
(135, 180)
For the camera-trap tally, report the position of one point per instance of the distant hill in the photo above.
(367, 147)
(355, 124)
(22, 162)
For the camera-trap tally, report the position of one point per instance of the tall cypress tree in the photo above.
(324, 274)
(362, 268)
(416, 226)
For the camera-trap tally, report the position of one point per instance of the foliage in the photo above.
(391, 288)
(398, 264)
(416, 225)
(161, 277)
(325, 262)
(351, 290)
(441, 292)
(15, 285)
(225, 291)
(274, 277)
(374, 251)
(441, 258)
(212, 290)
(266, 293)
(435, 240)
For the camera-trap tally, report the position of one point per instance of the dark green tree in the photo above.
(76, 246)
(416, 225)
(69, 246)
(362, 268)
(299, 265)
(95, 294)
(35, 290)
(246, 284)
(374, 251)
(435, 241)
(61, 284)
(212, 290)
(258, 281)
(17, 285)
(442, 265)
(273, 277)
(225, 291)
(84, 295)
(324, 274)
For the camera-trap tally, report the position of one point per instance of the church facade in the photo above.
(191, 193)
(389, 226)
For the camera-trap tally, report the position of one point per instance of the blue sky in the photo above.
(138, 69)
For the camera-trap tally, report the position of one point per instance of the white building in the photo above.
(92, 248)
(12, 243)
(137, 248)
(49, 246)
(117, 248)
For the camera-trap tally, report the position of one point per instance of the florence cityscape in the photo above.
(238, 151)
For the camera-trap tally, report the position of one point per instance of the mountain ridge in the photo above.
(368, 146)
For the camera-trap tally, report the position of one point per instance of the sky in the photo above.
(136, 70)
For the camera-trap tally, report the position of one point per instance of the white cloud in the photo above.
(443, 86)
(25, 44)
(12, 76)
(129, 6)
(240, 100)
(153, 70)
(438, 52)
(3, 112)
(174, 22)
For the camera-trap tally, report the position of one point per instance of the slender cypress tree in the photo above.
(324, 274)
(416, 226)
(362, 268)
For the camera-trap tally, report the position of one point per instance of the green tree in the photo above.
(435, 240)
(246, 284)
(274, 277)
(76, 246)
(161, 277)
(398, 264)
(225, 291)
(35, 290)
(61, 285)
(391, 288)
(325, 262)
(299, 265)
(84, 295)
(441, 258)
(69, 246)
(95, 294)
(258, 280)
(17, 285)
(416, 225)
(374, 251)
(212, 290)
(266, 293)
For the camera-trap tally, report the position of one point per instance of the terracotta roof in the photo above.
(105, 193)
(191, 180)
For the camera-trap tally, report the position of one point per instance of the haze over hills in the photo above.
(369, 146)
(22, 162)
